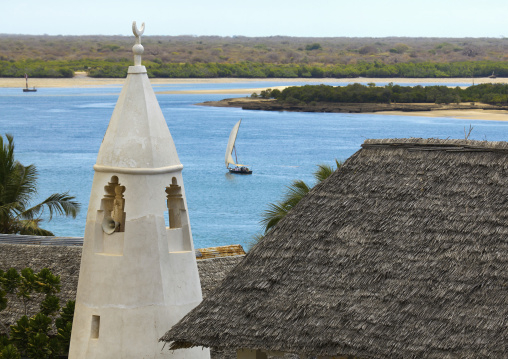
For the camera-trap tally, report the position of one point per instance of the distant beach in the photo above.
(81, 80)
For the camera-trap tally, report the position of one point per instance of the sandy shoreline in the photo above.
(81, 80)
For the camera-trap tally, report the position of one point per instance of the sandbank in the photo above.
(489, 115)
(248, 91)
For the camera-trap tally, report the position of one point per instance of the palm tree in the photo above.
(294, 193)
(18, 184)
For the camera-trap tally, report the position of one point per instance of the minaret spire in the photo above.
(138, 274)
(137, 138)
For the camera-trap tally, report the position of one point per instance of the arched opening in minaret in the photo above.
(179, 236)
(96, 323)
(113, 205)
(176, 205)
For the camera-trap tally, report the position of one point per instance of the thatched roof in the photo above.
(401, 253)
(40, 240)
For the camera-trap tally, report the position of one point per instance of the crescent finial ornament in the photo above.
(137, 32)
(137, 49)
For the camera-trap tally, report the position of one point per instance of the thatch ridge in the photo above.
(434, 144)
(401, 253)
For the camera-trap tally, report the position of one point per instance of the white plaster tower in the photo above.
(138, 277)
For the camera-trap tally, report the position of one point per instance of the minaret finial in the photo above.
(138, 49)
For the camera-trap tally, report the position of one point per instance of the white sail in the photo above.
(231, 145)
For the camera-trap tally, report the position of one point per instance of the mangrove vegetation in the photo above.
(358, 93)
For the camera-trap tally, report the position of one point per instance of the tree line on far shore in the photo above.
(358, 93)
(101, 68)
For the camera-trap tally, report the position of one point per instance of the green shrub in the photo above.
(9, 352)
(30, 336)
(314, 46)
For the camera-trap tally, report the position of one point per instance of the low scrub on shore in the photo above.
(254, 57)
(272, 49)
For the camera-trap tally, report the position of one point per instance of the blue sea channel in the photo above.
(60, 131)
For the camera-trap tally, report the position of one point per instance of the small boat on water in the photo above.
(26, 89)
(238, 168)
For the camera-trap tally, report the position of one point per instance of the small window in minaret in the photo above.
(113, 205)
(175, 204)
(96, 323)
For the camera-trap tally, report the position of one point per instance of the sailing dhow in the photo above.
(238, 169)
(26, 89)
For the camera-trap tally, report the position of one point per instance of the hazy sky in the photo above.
(372, 18)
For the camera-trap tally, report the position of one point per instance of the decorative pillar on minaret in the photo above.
(138, 275)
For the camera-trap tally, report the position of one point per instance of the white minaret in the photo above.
(138, 277)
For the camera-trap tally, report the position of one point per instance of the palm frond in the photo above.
(18, 185)
(6, 156)
(22, 184)
(8, 212)
(31, 227)
(272, 215)
(323, 172)
(294, 193)
(338, 164)
(276, 211)
(57, 203)
(7, 209)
